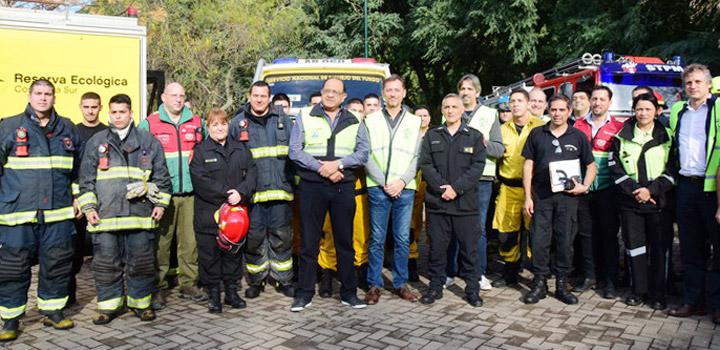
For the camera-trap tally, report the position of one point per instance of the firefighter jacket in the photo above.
(712, 127)
(510, 166)
(600, 146)
(456, 160)
(637, 160)
(38, 167)
(216, 169)
(267, 138)
(109, 164)
(178, 142)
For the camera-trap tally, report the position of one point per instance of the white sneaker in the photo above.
(485, 283)
(449, 281)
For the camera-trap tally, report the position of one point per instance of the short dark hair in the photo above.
(393, 77)
(371, 95)
(90, 96)
(521, 91)
(280, 97)
(587, 93)
(417, 107)
(42, 82)
(646, 97)
(643, 87)
(559, 97)
(602, 88)
(121, 98)
(338, 79)
(260, 83)
(315, 93)
(353, 100)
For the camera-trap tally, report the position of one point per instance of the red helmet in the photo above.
(233, 222)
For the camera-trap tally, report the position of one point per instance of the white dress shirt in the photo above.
(691, 141)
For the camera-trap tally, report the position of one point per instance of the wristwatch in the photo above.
(340, 165)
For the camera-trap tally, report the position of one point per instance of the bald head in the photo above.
(173, 98)
(537, 102)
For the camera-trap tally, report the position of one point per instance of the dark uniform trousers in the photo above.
(18, 245)
(553, 222)
(270, 252)
(598, 225)
(696, 227)
(316, 198)
(466, 230)
(215, 264)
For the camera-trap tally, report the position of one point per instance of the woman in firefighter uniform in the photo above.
(639, 162)
(124, 190)
(222, 171)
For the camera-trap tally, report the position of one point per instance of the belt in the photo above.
(693, 179)
(184, 194)
(510, 182)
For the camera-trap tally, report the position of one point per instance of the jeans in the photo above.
(381, 206)
(484, 190)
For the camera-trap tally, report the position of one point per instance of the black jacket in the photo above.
(214, 170)
(457, 161)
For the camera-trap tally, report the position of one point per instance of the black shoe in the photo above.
(354, 302)
(214, 305)
(10, 330)
(586, 285)
(634, 300)
(300, 304)
(474, 300)
(254, 290)
(361, 274)
(412, 271)
(233, 299)
(562, 293)
(609, 292)
(325, 290)
(538, 291)
(285, 289)
(658, 305)
(431, 296)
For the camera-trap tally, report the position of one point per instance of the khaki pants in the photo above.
(178, 219)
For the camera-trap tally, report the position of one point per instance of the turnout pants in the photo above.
(177, 221)
(466, 230)
(119, 254)
(598, 226)
(215, 264)
(18, 245)
(508, 220)
(553, 222)
(268, 248)
(647, 240)
(418, 221)
(316, 199)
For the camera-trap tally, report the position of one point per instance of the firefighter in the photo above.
(124, 191)
(642, 167)
(266, 131)
(178, 130)
(509, 215)
(39, 157)
(223, 171)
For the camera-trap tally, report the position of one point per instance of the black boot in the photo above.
(538, 291)
(253, 290)
(412, 270)
(562, 293)
(10, 329)
(325, 289)
(232, 298)
(510, 275)
(214, 305)
(361, 272)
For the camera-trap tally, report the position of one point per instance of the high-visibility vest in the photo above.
(600, 146)
(393, 150)
(482, 120)
(654, 157)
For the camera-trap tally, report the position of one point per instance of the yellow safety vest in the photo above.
(393, 152)
(482, 120)
(318, 133)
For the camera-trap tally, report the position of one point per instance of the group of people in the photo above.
(325, 189)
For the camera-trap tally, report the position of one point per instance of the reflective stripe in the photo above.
(271, 151)
(51, 304)
(164, 198)
(123, 223)
(175, 154)
(23, 217)
(11, 312)
(33, 163)
(257, 268)
(61, 214)
(623, 178)
(600, 154)
(142, 303)
(343, 151)
(669, 178)
(281, 265)
(272, 195)
(123, 172)
(110, 305)
(317, 151)
(174, 271)
(87, 198)
(75, 189)
(635, 252)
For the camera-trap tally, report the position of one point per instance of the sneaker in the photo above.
(159, 300)
(354, 302)
(449, 281)
(300, 304)
(485, 283)
(193, 293)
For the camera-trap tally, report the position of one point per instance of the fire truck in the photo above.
(620, 73)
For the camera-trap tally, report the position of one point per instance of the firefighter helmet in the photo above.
(233, 222)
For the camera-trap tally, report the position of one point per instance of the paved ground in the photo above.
(504, 322)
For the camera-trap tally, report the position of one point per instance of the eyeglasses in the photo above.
(558, 149)
(331, 92)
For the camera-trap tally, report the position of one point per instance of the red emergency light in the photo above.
(363, 60)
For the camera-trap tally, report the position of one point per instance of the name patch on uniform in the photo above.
(434, 142)
(211, 160)
(468, 150)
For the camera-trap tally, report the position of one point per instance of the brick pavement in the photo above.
(504, 322)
